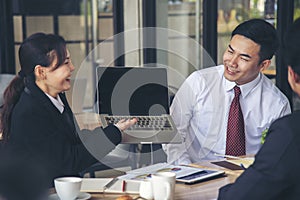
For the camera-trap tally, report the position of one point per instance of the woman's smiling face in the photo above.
(57, 79)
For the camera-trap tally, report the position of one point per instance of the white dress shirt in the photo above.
(200, 111)
(57, 102)
(60, 105)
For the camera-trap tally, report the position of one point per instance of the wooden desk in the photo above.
(207, 190)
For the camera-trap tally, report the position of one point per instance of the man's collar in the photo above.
(245, 88)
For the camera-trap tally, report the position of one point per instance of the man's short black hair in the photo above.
(291, 47)
(262, 33)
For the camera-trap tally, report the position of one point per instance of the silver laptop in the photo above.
(140, 92)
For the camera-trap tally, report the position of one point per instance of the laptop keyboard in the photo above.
(157, 123)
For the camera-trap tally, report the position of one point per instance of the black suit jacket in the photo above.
(44, 136)
(275, 172)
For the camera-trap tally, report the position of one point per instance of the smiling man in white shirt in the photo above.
(200, 108)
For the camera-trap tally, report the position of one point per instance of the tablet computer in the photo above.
(200, 176)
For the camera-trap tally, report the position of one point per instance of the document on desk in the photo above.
(183, 173)
(245, 162)
(235, 164)
(97, 185)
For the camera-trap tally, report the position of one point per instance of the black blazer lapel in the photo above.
(58, 120)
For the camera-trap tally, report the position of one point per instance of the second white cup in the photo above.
(146, 190)
(67, 188)
(163, 185)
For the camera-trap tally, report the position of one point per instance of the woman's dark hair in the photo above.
(37, 49)
(262, 33)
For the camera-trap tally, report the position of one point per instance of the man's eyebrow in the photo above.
(242, 54)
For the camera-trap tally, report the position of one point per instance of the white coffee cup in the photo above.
(67, 188)
(145, 190)
(163, 185)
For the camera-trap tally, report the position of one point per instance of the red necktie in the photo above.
(235, 140)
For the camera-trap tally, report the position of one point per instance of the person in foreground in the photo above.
(37, 121)
(201, 106)
(21, 179)
(275, 171)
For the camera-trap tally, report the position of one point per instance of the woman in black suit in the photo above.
(275, 174)
(37, 121)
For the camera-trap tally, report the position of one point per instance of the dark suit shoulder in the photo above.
(288, 124)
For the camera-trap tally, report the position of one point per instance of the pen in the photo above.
(228, 156)
(123, 186)
(110, 183)
(244, 168)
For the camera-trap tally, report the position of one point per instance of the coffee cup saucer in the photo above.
(81, 196)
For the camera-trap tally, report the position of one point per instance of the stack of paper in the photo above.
(186, 174)
(145, 172)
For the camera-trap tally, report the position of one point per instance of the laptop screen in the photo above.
(132, 91)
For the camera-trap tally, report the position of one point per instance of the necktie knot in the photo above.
(237, 91)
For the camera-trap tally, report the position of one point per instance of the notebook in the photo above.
(235, 164)
(97, 185)
(141, 92)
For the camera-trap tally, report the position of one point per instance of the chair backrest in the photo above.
(5, 79)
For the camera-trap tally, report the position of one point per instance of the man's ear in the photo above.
(39, 72)
(294, 80)
(264, 65)
(292, 75)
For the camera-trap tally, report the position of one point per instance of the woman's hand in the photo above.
(124, 124)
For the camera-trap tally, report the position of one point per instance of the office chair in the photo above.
(5, 79)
